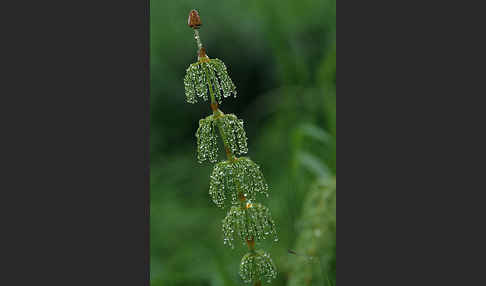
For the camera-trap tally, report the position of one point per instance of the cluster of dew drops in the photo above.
(207, 138)
(203, 75)
(235, 135)
(257, 266)
(258, 227)
(229, 176)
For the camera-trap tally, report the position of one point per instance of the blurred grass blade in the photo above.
(313, 164)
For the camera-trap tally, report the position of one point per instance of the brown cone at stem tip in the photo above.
(194, 21)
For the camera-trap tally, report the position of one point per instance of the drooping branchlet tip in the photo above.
(194, 21)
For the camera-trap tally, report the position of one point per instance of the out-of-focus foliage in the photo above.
(281, 56)
(315, 262)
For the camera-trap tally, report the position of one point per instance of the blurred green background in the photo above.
(281, 55)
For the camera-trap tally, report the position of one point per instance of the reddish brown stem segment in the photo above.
(214, 106)
(202, 53)
(241, 197)
(251, 244)
(228, 152)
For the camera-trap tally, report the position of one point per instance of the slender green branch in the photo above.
(210, 85)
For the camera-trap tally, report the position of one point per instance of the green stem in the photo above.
(217, 113)
(210, 85)
(229, 154)
(198, 39)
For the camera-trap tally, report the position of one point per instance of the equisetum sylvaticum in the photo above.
(237, 182)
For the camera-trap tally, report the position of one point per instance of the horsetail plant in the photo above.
(237, 181)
